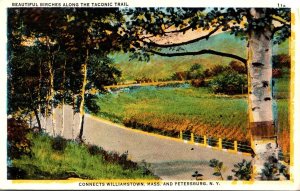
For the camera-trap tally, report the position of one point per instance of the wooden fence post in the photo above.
(192, 138)
(235, 146)
(180, 135)
(220, 144)
(204, 140)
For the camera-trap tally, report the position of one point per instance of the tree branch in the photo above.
(180, 30)
(281, 20)
(183, 43)
(204, 51)
(165, 33)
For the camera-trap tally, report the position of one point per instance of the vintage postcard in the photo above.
(123, 95)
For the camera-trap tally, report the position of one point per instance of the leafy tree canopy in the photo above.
(144, 26)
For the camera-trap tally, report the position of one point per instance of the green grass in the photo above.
(282, 87)
(175, 109)
(75, 159)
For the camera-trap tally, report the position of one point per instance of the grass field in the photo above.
(175, 109)
(168, 110)
(70, 159)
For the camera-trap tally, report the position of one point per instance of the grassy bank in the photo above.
(61, 159)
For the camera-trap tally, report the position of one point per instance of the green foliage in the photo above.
(273, 168)
(59, 143)
(75, 161)
(229, 82)
(154, 21)
(113, 157)
(197, 175)
(243, 170)
(196, 72)
(47, 51)
(238, 67)
(218, 69)
(17, 142)
(281, 60)
(102, 71)
(218, 167)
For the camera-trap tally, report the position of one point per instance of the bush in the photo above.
(112, 157)
(207, 73)
(218, 69)
(238, 67)
(59, 143)
(18, 143)
(196, 72)
(229, 82)
(181, 76)
(243, 170)
(143, 80)
(198, 83)
(281, 60)
(277, 73)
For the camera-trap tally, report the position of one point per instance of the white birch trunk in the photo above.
(73, 119)
(261, 117)
(39, 91)
(63, 101)
(53, 120)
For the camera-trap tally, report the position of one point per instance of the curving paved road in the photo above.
(169, 159)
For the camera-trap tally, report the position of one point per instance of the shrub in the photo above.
(18, 143)
(243, 170)
(181, 76)
(207, 73)
(238, 67)
(113, 157)
(195, 67)
(277, 73)
(218, 167)
(218, 69)
(229, 82)
(196, 72)
(198, 83)
(273, 169)
(281, 60)
(143, 80)
(59, 143)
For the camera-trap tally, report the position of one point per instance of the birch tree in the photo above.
(92, 31)
(79, 34)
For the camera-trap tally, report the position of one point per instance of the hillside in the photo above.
(163, 67)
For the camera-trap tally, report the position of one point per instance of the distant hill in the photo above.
(163, 67)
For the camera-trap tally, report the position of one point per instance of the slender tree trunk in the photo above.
(39, 94)
(73, 117)
(63, 100)
(81, 108)
(51, 87)
(261, 117)
(38, 119)
(51, 71)
(33, 108)
(46, 112)
(39, 90)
